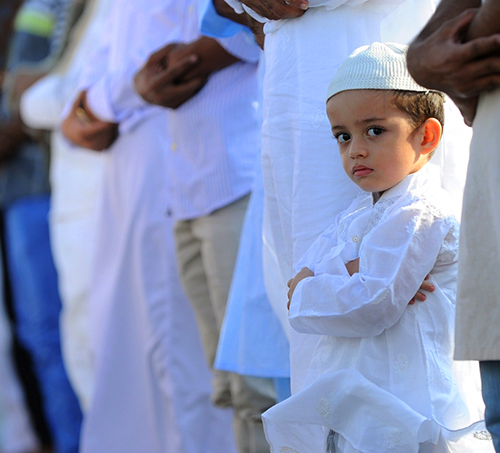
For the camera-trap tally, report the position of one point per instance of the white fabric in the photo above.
(388, 382)
(304, 181)
(152, 387)
(477, 333)
(75, 177)
(223, 114)
(214, 166)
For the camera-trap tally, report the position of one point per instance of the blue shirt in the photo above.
(252, 341)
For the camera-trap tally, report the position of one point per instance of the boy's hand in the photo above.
(425, 286)
(293, 282)
(87, 131)
(352, 266)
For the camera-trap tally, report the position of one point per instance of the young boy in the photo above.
(382, 377)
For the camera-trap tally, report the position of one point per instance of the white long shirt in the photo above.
(215, 135)
(369, 334)
(304, 180)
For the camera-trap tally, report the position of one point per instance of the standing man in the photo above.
(215, 141)
(458, 53)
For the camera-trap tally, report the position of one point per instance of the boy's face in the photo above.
(377, 143)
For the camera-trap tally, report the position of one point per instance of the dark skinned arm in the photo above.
(177, 72)
(84, 129)
(440, 59)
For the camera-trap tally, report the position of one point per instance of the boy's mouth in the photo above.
(360, 170)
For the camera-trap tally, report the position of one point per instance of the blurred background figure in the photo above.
(151, 386)
(75, 180)
(40, 29)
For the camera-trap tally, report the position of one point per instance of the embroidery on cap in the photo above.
(323, 407)
(401, 365)
(392, 438)
(482, 435)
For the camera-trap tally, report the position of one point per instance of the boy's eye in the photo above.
(374, 131)
(342, 137)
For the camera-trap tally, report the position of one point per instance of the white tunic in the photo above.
(477, 334)
(382, 374)
(75, 180)
(152, 385)
(304, 181)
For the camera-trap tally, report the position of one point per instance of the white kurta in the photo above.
(477, 334)
(75, 179)
(152, 386)
(304, 181)
(382, 375)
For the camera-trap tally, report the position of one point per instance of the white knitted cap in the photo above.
(375, 67)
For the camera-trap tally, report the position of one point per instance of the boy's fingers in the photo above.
(427, 286)
(420, 296)
(289, 282)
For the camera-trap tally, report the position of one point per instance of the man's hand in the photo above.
(278, 9)
(293, 282)
(257, 30)
(160, 80)
(441, 61)
(211, 57)
(85, 130)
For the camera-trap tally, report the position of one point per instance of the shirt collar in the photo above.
(427, 176)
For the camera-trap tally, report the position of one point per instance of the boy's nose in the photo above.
(357, 149)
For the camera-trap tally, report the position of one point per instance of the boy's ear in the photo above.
(431, 131)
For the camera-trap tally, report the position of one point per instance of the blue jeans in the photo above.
(37, 307)
(490, 377)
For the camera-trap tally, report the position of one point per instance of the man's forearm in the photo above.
(486, 22)
(224, 10)
(447, 9)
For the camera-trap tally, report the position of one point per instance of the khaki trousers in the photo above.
(206, 254)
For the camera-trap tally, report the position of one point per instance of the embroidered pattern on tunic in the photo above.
(284, 449)
(323, 407)
(332, 340)
(378, 212)
(449, 249)
(318, 117)
(401, 365)
(392, 438)
(482, 435)
(285, 37)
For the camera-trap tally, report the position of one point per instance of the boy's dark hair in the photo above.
(420, 106)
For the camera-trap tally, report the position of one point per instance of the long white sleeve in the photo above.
(394, 257)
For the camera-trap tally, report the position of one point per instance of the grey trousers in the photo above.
(206, 254)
